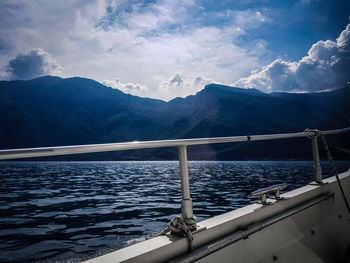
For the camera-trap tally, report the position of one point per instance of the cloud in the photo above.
(129, 88)
(326, 67)
(148, 17)
(146, 42)
(176, 80)
(247, 19)
(181, 86)
(200, 81)
(33, 64)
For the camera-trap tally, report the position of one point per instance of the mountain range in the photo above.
(51, 111)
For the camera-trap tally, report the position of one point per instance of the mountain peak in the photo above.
(218, 87)
(46, 77)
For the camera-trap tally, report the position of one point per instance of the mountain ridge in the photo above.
(52, 111)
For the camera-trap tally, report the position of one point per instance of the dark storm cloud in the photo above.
(30, 65)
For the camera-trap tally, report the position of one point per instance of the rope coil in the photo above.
(179, 226)
(318, 133)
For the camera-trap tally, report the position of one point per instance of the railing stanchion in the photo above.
(186, 202)
(315, 155)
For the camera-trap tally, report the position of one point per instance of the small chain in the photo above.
(334, 170)
(329, 156)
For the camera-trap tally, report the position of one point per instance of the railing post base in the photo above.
(186, 208)
(315, 155)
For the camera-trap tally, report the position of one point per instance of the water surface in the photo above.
(72, 211)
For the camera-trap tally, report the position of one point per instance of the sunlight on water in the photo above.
(72, 211)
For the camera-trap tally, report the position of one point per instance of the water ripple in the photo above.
(72, 211)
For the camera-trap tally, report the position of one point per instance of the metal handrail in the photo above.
(186, 203)
(93, 148)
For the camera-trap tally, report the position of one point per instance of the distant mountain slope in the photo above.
(53, 111)
(50, 111)
(217, 111)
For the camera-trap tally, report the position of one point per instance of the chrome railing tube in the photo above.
(186, 202)
(93, 148)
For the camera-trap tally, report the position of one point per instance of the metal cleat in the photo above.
(264, 191)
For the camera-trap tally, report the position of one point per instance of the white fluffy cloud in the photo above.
(33, 64)
(326, 67)
(129, 88)
(176, 80)
(180, 86)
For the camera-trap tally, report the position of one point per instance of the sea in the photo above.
(74, 211)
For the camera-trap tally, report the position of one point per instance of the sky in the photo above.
(166, 48)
